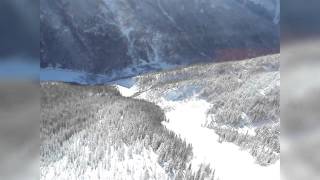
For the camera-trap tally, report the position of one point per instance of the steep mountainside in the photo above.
(133, 36)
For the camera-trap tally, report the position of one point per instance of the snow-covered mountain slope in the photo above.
(114, 36)
(91, 132)
(229, 112)
(214, 121)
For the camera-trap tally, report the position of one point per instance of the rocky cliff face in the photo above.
(105, 36)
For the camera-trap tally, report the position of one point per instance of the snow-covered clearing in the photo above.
(186, 118)
(127, 92)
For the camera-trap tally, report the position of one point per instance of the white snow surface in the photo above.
(187, 119)
(127, 92)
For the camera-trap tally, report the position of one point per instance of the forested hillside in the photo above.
(197, 122)
(244, 98)
(91, 132)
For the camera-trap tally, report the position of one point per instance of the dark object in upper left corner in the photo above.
(19, 28)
